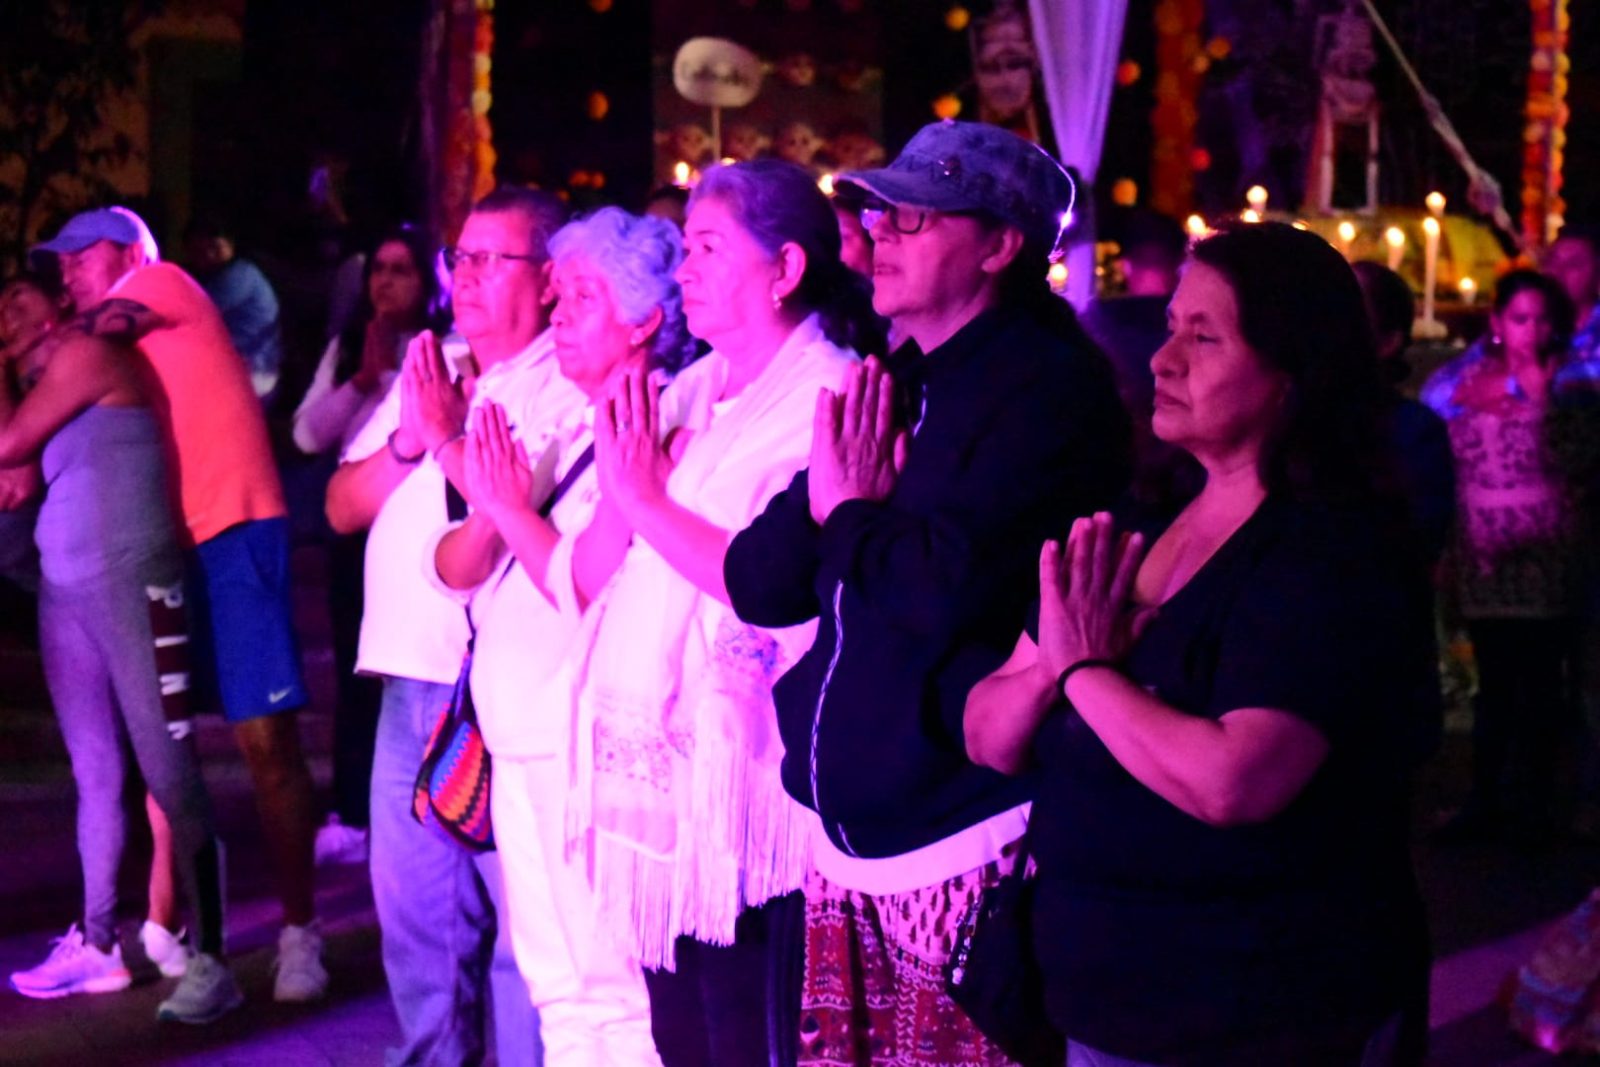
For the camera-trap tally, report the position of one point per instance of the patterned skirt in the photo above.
(874, 991)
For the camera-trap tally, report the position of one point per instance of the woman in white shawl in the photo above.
(675, 758)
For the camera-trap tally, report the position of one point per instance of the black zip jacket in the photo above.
(1016, 432)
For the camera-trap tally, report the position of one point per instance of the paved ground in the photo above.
(1487, 905)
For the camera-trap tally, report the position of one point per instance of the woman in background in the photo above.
(399, 298)
(1521, 457)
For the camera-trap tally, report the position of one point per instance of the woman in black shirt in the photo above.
(1226, 723)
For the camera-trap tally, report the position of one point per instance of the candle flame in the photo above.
(1347, 231)
(825, 183)
(1430, 226)
(1435, 202)
(1196, 226)
(1256, 197)
(680, 173)
(1395, 236)
(1250, 214)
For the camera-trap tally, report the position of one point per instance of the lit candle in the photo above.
(1250, 214)
(1435, 202)
(1430, 265)
(1058, 276)
(1347, 235)
(1395, 238)
(680, 174)
(1469, 290)
(825, 183)
(1196, 226)
(1256, 197)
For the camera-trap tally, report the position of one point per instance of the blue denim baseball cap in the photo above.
(89, 227)
(973, 166)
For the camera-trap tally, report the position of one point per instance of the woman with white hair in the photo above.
(534, 491)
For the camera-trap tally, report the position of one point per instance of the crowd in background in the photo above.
(809, 568)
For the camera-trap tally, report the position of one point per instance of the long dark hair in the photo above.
(354, 335)
(1301, 311)
(777, 202)
(1557, 304)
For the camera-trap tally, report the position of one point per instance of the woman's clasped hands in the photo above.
(630, 457)
(1086, 610)
(496, 469)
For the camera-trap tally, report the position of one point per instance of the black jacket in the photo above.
(1016, 432)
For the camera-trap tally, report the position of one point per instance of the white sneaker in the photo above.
(206, 993)
(338, 843)
(165, 949)
(301, 976)
(74, 966)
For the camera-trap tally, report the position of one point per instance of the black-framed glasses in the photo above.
(903, 218)
(457, 258)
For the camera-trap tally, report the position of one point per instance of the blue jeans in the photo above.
(436, 908)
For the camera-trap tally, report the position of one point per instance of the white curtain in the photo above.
(1079, 42)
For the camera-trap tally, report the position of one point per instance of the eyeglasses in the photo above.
(456, 259)
(904, 219)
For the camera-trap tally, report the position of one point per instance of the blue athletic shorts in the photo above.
(243, 642)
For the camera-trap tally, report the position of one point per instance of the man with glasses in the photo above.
(915, 535)
(437, 903)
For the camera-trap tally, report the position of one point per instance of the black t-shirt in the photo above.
(1168, 940)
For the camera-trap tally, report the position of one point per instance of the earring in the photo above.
(777, 302)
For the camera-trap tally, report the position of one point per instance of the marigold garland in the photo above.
(1545, 136)
(1173, 118)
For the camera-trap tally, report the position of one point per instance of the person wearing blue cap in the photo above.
(235, 526)
(911, 540)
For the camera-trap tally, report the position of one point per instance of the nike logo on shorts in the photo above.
(277, 696)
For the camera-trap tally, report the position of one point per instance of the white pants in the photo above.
(594, 1010)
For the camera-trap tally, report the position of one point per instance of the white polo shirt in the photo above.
(410, 629)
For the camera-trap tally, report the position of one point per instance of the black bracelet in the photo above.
(1072, 668)
(409, 461)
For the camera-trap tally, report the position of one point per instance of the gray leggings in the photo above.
(100, 660)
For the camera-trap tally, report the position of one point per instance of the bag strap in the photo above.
(1024, 850)
(455, 505)
(574, 472)
(456, 508)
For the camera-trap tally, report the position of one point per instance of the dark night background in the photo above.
(338, 79)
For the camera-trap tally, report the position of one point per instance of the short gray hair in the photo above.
(638, 255)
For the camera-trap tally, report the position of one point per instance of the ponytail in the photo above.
(842, 301)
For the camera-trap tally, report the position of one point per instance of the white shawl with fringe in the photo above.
(674, 776)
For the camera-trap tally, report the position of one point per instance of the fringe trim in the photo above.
(745, 843)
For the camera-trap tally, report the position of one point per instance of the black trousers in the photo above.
(734, 1005)
(355, 720)
(1523, 711)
